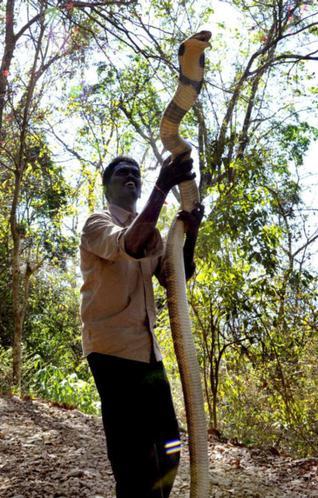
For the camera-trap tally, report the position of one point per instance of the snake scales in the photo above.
(191, 61)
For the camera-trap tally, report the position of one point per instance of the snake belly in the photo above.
(191, 61)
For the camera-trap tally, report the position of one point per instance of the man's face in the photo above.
(125, 184)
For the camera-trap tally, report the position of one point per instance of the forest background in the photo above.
(81, 82)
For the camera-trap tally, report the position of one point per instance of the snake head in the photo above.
(201, 39)
(198, 42)
(203, 36)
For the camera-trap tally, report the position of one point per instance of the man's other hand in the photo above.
(192, 220)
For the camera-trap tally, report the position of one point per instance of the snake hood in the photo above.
(191, 62)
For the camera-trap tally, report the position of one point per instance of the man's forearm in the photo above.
(143, 226)
(173, 172)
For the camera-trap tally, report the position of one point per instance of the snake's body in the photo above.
(191, 59)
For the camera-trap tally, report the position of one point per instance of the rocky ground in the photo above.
(51, 452)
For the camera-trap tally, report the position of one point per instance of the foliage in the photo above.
(5, 369)
(254, 407)
(62, 383)
(64, 387)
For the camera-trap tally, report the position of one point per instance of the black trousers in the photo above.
(141, 429)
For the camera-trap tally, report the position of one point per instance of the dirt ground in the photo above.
(50, 452)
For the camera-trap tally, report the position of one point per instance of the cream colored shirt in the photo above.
(117, 301)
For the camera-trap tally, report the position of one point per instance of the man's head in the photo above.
(121, 181)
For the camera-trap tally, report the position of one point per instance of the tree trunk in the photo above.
(9, 46)
(19, 303)
(214, 389)
(16, 308)
(20, 295)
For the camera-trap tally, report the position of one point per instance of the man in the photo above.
(120, 251)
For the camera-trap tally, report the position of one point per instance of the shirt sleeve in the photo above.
(102, 237)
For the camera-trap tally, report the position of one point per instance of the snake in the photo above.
(191, 71)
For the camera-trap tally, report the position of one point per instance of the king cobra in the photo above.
(191, 61)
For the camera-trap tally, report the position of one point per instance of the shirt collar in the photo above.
(121, 215)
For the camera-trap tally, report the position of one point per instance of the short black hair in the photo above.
(108, 171)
